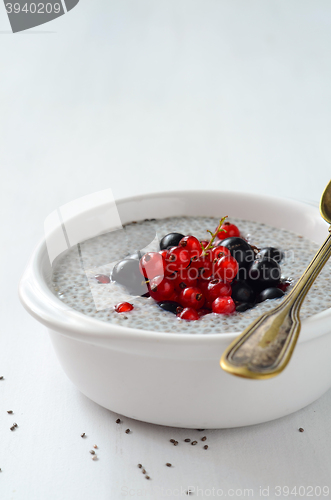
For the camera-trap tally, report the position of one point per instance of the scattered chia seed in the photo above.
(140, 466)
(94, 458)
(10, 411)
(175, 443)
(187, 440)
(143, 471)
(205, 447)
(147, 477)
(301, 429)
(194, 443)
(189, 492)
(172, 441)
(82, 435)
(15, 424)
(92, 452)
(168, 464)
(118, 421)
(12, 428)
(95, 446)
(200, 430)
(204, 438)
(127, 431)
(1, 378)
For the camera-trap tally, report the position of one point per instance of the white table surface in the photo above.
(145, 96)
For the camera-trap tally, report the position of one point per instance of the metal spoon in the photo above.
(266, 346)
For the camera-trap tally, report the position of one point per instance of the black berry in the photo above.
(241, 251)
(244, 306)
(127, 273)
(272, 253)
(270, 293)
(242, 292)
(264, 273)
(168, 305)
(170, 240)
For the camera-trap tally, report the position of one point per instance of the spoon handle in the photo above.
(266, 346)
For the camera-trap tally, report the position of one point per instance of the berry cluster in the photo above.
(191, 278)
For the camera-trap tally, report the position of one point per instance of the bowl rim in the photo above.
(43, 305)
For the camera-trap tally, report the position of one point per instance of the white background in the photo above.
(145, 96)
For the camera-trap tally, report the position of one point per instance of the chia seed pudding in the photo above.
(73, 279)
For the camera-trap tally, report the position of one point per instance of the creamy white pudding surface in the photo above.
(73, 280)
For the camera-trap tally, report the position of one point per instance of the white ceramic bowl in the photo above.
(175, 379)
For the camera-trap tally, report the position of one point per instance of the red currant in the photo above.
(177, 258)
(123, 307)
(174, 297)
(230, 231)
(187, 277)
(161, 288)
(226, 269)
(191, 297)
(203, 284)
(219, 252)
(283, 285)
(216, 288)
(152, 264)
(223, 305)
(203, 311)
(204, 265)
(192, 244)
(189, 314)
(205, 243)
(102, 278)
(163, 253)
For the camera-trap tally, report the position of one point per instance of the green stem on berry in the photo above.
(213, 236)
